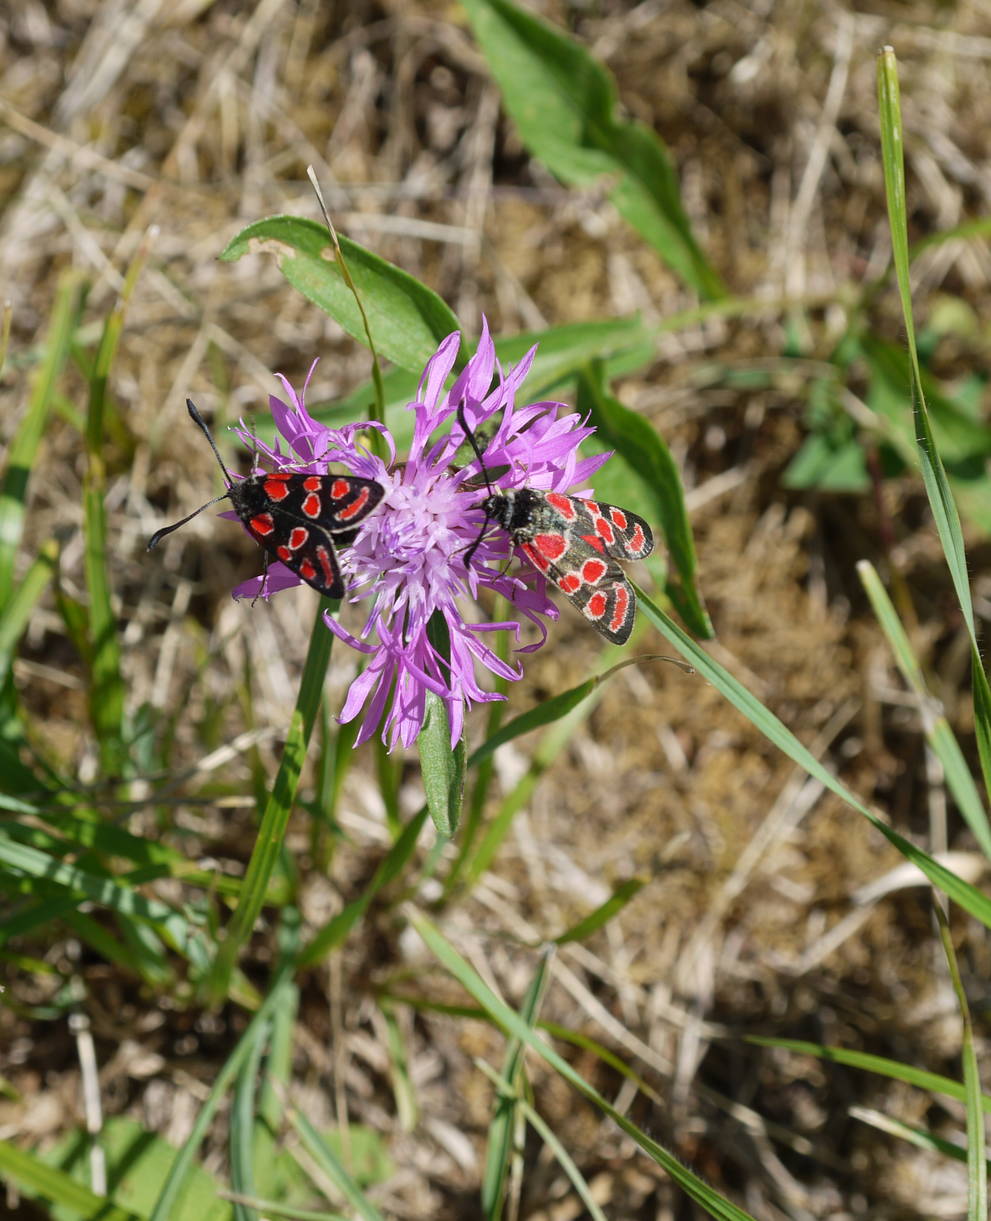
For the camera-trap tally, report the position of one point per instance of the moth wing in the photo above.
(594, 585)
(617, 532)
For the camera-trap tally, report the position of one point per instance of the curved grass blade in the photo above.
(513, 1025)
(938, 491)
(969, 897)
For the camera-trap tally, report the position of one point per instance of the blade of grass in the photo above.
(977, 1166)
(529, 1115)
(332, 1167)
(24, 447)
(336, 929)
(971, 899)
(24, 599)
(275, 818)
(166, 1206)
(938, 491)
(513, 1024)
(935, 726)
(505, 1137)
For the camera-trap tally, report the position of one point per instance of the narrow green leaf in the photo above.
(514, 1025)
(977, 1167)
(23, 450)
(275, 819)
(934, 724)
(595, 920)
(24, 599)
(167, 1205)
(103, 891)
(336, 929)
(938, 491)
(332, 1166)
(931, 1083)
(505, 1136)
(969, 897)
(407, 320)
(564, 104)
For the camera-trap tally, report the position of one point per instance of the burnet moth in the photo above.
(295, 516)
(575, 544)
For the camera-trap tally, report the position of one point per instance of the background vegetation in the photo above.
(735, 292)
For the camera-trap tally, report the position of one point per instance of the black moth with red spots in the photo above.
(575, 544)
(295, 516)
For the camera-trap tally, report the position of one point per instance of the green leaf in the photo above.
(442, 767)
(934, 724)
(406, 319)
(338, 927)
(39, 1180)
(564, 104)
(137, 1163)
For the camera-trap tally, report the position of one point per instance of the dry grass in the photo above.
(197, 118)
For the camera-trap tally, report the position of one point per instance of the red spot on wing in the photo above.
(621, 607)
(565, 505)
(311, 505)
(595, 607)
(313, 483)
(637, 541)
(605, 529)
(307, 571)
(550, 546)
(263, 524)
(275, 486)
(593, 571)
(593, 507)
(284, 554)
(593, 540)
(570, 583)
(534, 556)
(618, 518)
(298, 537)
(327, 565)
(356, 505)
(340, 488)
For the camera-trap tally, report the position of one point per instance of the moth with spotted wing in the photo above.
(575, 543)
(297, 517)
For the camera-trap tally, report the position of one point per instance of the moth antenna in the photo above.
(198, 420)
(470, 437)
(157, 537)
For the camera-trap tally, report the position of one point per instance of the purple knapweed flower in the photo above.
(407, 562)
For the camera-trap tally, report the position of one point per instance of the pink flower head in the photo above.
(407, 562)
